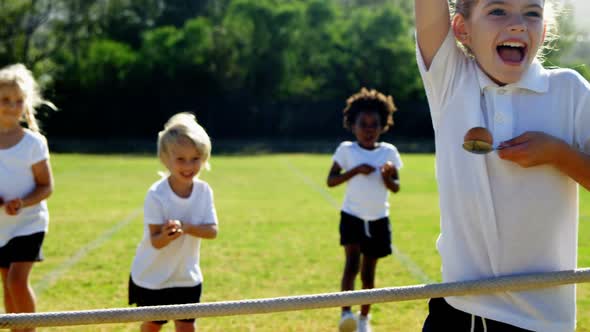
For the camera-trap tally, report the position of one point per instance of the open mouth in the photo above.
(187, 175)
(512, 52)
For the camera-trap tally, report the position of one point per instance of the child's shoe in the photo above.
(347, 322)
(363, 323)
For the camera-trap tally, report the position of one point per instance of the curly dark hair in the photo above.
(369, 101)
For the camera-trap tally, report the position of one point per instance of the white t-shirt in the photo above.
(177, 264)
(498, 218)
(16, 181)
(366, 195)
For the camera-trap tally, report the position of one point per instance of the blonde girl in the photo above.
(514, 210)
(25, 183)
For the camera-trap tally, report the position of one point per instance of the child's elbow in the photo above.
(213, 232)
(48, 190)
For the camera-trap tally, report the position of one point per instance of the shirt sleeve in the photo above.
(210, 215)
(39, 151)
(442, 77)
(153, 213)
(396, 158)
(582, 123)
(340, 157)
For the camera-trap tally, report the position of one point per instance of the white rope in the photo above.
(291, 303)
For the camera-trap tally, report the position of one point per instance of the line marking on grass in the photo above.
(56, 273)
(404, 259)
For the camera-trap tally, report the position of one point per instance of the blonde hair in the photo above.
(19, 76)
(184, 126)
(551, 11)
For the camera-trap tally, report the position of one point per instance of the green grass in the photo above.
(278, 237)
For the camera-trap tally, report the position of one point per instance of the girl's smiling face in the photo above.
(11, 106)
(367, 129)
(503, 35)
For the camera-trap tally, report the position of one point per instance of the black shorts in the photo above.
(25, 248)
(145, 297)
(374, 237)
(443, 317)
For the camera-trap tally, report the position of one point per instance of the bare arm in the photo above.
(390, 177)
(43, 189)
(206, 231)
(335, 177)
(576, 165)
(432, 26)
(537, 148)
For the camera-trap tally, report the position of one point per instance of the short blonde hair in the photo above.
(551, 11)
(19, 76)
(184, 126)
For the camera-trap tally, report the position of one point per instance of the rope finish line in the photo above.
(291, 303)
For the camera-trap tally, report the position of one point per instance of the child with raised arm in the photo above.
(371, 169)
(25, 183)
(178, 212)
(514, 210)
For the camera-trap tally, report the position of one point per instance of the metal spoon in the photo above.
(478, 147)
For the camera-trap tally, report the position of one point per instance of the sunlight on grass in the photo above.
(278, 237)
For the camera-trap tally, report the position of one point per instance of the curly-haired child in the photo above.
(371, 169)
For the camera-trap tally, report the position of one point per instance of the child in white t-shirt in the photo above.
(514, 210)
(25, 184)
(178, 212)
(371, 169)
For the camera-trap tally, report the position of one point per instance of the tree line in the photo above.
(246, 68)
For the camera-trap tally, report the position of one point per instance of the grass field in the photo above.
(278, 237)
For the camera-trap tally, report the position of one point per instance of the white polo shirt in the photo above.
(366, 195)
(177, 264)
(498, 218)
(17, 181)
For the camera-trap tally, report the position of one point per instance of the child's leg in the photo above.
(184, 326)
(351, 267)
(17, 280)
(369, 265)
(150, 327)
(8, 305)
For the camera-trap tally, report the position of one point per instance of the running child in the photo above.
(25, 184)
(370, 169)
(178, 212)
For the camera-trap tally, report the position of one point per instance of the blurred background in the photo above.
(268, 71)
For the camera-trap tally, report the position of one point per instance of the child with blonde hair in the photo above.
(514, 210)
(178, 212)
(25, 183)
(370, 169)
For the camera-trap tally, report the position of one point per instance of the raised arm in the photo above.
(432, 25)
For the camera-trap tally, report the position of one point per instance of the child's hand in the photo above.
(365, 169)
(14, 206)
(531, 149)
(388, 170)
(172, 228)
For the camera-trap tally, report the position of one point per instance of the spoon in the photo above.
(478, 140)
